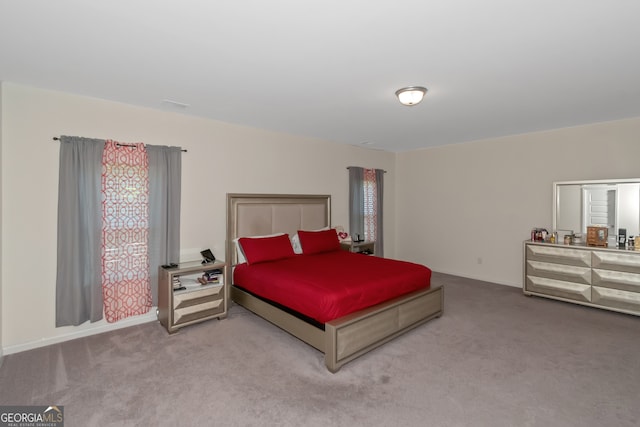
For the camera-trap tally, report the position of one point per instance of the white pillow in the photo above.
(295, 242)
(240, 254)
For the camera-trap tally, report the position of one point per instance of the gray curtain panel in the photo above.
(79, 269)
(356, 201)
(165, 171)
(379, 246)
(79, 274)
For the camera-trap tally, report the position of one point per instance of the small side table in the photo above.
(366, 247)
(192, 302)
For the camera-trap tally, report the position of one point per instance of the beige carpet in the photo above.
(496, 358)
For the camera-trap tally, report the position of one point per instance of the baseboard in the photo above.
(151, 316)
(451, 273)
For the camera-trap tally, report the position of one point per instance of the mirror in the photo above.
(611, 203)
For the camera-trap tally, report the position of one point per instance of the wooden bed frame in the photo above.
(343, 339)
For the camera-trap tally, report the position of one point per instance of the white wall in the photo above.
(221, 158)
(465, 209)
(461, 209)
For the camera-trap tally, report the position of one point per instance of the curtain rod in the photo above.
(55, 138)
(349, 167)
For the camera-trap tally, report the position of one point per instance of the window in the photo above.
(110, 195)
(365, 205)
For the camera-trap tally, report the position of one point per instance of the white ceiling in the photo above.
(329, 68)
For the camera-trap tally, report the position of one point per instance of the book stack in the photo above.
(177, 285)
(211, 276)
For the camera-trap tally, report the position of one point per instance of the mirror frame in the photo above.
(556, 193)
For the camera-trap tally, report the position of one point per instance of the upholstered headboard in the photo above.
(263, 214)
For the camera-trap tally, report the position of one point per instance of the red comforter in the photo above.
(330, 285)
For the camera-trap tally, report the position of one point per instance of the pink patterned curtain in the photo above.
(370, 205)
(126, 285)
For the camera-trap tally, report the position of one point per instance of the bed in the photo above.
(350, 334)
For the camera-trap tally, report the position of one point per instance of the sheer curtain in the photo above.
(126, 285)
(165, 172)
(79, 273)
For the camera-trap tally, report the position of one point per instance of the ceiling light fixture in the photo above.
(411, 95)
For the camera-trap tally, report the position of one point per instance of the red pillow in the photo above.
(265, 249)
(315, 242)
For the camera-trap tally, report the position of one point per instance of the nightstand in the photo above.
(366, 247)
(183, 300)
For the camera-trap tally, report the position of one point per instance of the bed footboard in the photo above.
(351, 336)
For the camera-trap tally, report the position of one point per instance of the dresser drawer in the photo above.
(559, 272)
(617, 299)
(616, 280)
(616, 260)
(559, 255)
(189, 298)
(558, 288)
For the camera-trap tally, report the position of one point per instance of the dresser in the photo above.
(607, 278)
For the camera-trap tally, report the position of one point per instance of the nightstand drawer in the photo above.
(198, 311)
(189, 298)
